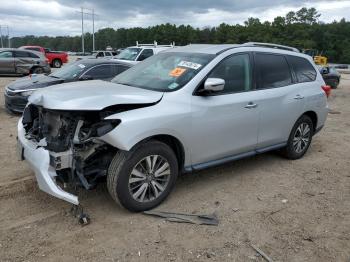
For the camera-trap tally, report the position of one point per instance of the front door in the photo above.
(225, 124)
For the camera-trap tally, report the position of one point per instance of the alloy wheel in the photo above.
(149, 178)
(301, 138)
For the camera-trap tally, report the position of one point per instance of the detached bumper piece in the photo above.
(39, 159)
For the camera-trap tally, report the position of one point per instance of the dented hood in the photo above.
(91, 95)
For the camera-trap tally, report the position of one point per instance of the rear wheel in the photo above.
(37, 70)
(142, 178)
(299, 139)
(56, 63)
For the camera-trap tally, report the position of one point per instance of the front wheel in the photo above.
(299, 139)
(143, 177)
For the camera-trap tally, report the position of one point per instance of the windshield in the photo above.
(164, 72)
(129, 53)
(69, 72)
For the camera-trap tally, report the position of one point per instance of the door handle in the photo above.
(298, 97)
(251, 105)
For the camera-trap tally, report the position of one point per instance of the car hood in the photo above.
(33, 82)
(92, 95)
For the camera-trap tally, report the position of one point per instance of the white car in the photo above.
(185, 109)
(98, 54)
(139, 52)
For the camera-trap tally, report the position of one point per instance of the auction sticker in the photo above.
(81, 66)
(177, 72)
(191, 65)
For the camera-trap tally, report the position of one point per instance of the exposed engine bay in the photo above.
(71, 137)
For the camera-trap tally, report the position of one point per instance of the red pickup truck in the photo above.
(55, 59)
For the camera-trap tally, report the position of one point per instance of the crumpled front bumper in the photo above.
(39, 160)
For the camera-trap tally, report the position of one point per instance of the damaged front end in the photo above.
(63, 147)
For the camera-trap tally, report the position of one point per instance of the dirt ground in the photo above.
(292, 210)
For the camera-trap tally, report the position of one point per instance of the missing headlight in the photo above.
(99, 129)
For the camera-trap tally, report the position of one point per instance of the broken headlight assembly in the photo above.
(87, 131)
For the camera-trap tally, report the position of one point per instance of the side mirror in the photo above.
(214, 85)
(86, 77)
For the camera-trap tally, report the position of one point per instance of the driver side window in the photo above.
(237, 73)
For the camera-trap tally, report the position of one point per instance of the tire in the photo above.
(37, 70)
(125, 164)
(291, 150)
(335, 85)
(56, 63)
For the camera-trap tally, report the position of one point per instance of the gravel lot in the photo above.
(292, 210)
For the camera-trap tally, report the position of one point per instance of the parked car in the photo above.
(330, 75)
(20, 62)
(98, 54)
(55, 58)
(17, 92)
(182, 110)
(140, 52)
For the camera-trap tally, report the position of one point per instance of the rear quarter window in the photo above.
(273, 71)
(303, 69)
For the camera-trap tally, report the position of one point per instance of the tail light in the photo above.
(327, 90)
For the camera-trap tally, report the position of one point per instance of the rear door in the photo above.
(225, 124)
(7, 62)
(24, 61)
(279, 98)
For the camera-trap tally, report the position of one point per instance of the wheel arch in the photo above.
(173, 142)
(33, 68)
(314, 118)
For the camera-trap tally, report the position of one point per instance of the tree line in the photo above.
(301, 29)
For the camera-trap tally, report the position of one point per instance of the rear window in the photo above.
(303, 69)
(273, 71)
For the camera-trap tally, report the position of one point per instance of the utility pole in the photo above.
(2, 44)
(8, 36)
(82, 26)
(82, 30)
(93, 30)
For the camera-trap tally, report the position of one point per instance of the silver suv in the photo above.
(182, 110)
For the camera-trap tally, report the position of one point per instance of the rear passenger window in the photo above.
(273, 71)
(21, 54)
(236, 72)
(303, 69)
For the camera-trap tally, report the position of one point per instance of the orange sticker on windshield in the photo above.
(178, 71)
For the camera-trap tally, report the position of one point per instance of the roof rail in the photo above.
(269, 45)
(155, 44)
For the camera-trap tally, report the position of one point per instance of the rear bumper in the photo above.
(39, 160)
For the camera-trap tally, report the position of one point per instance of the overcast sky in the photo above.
(61, 17)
